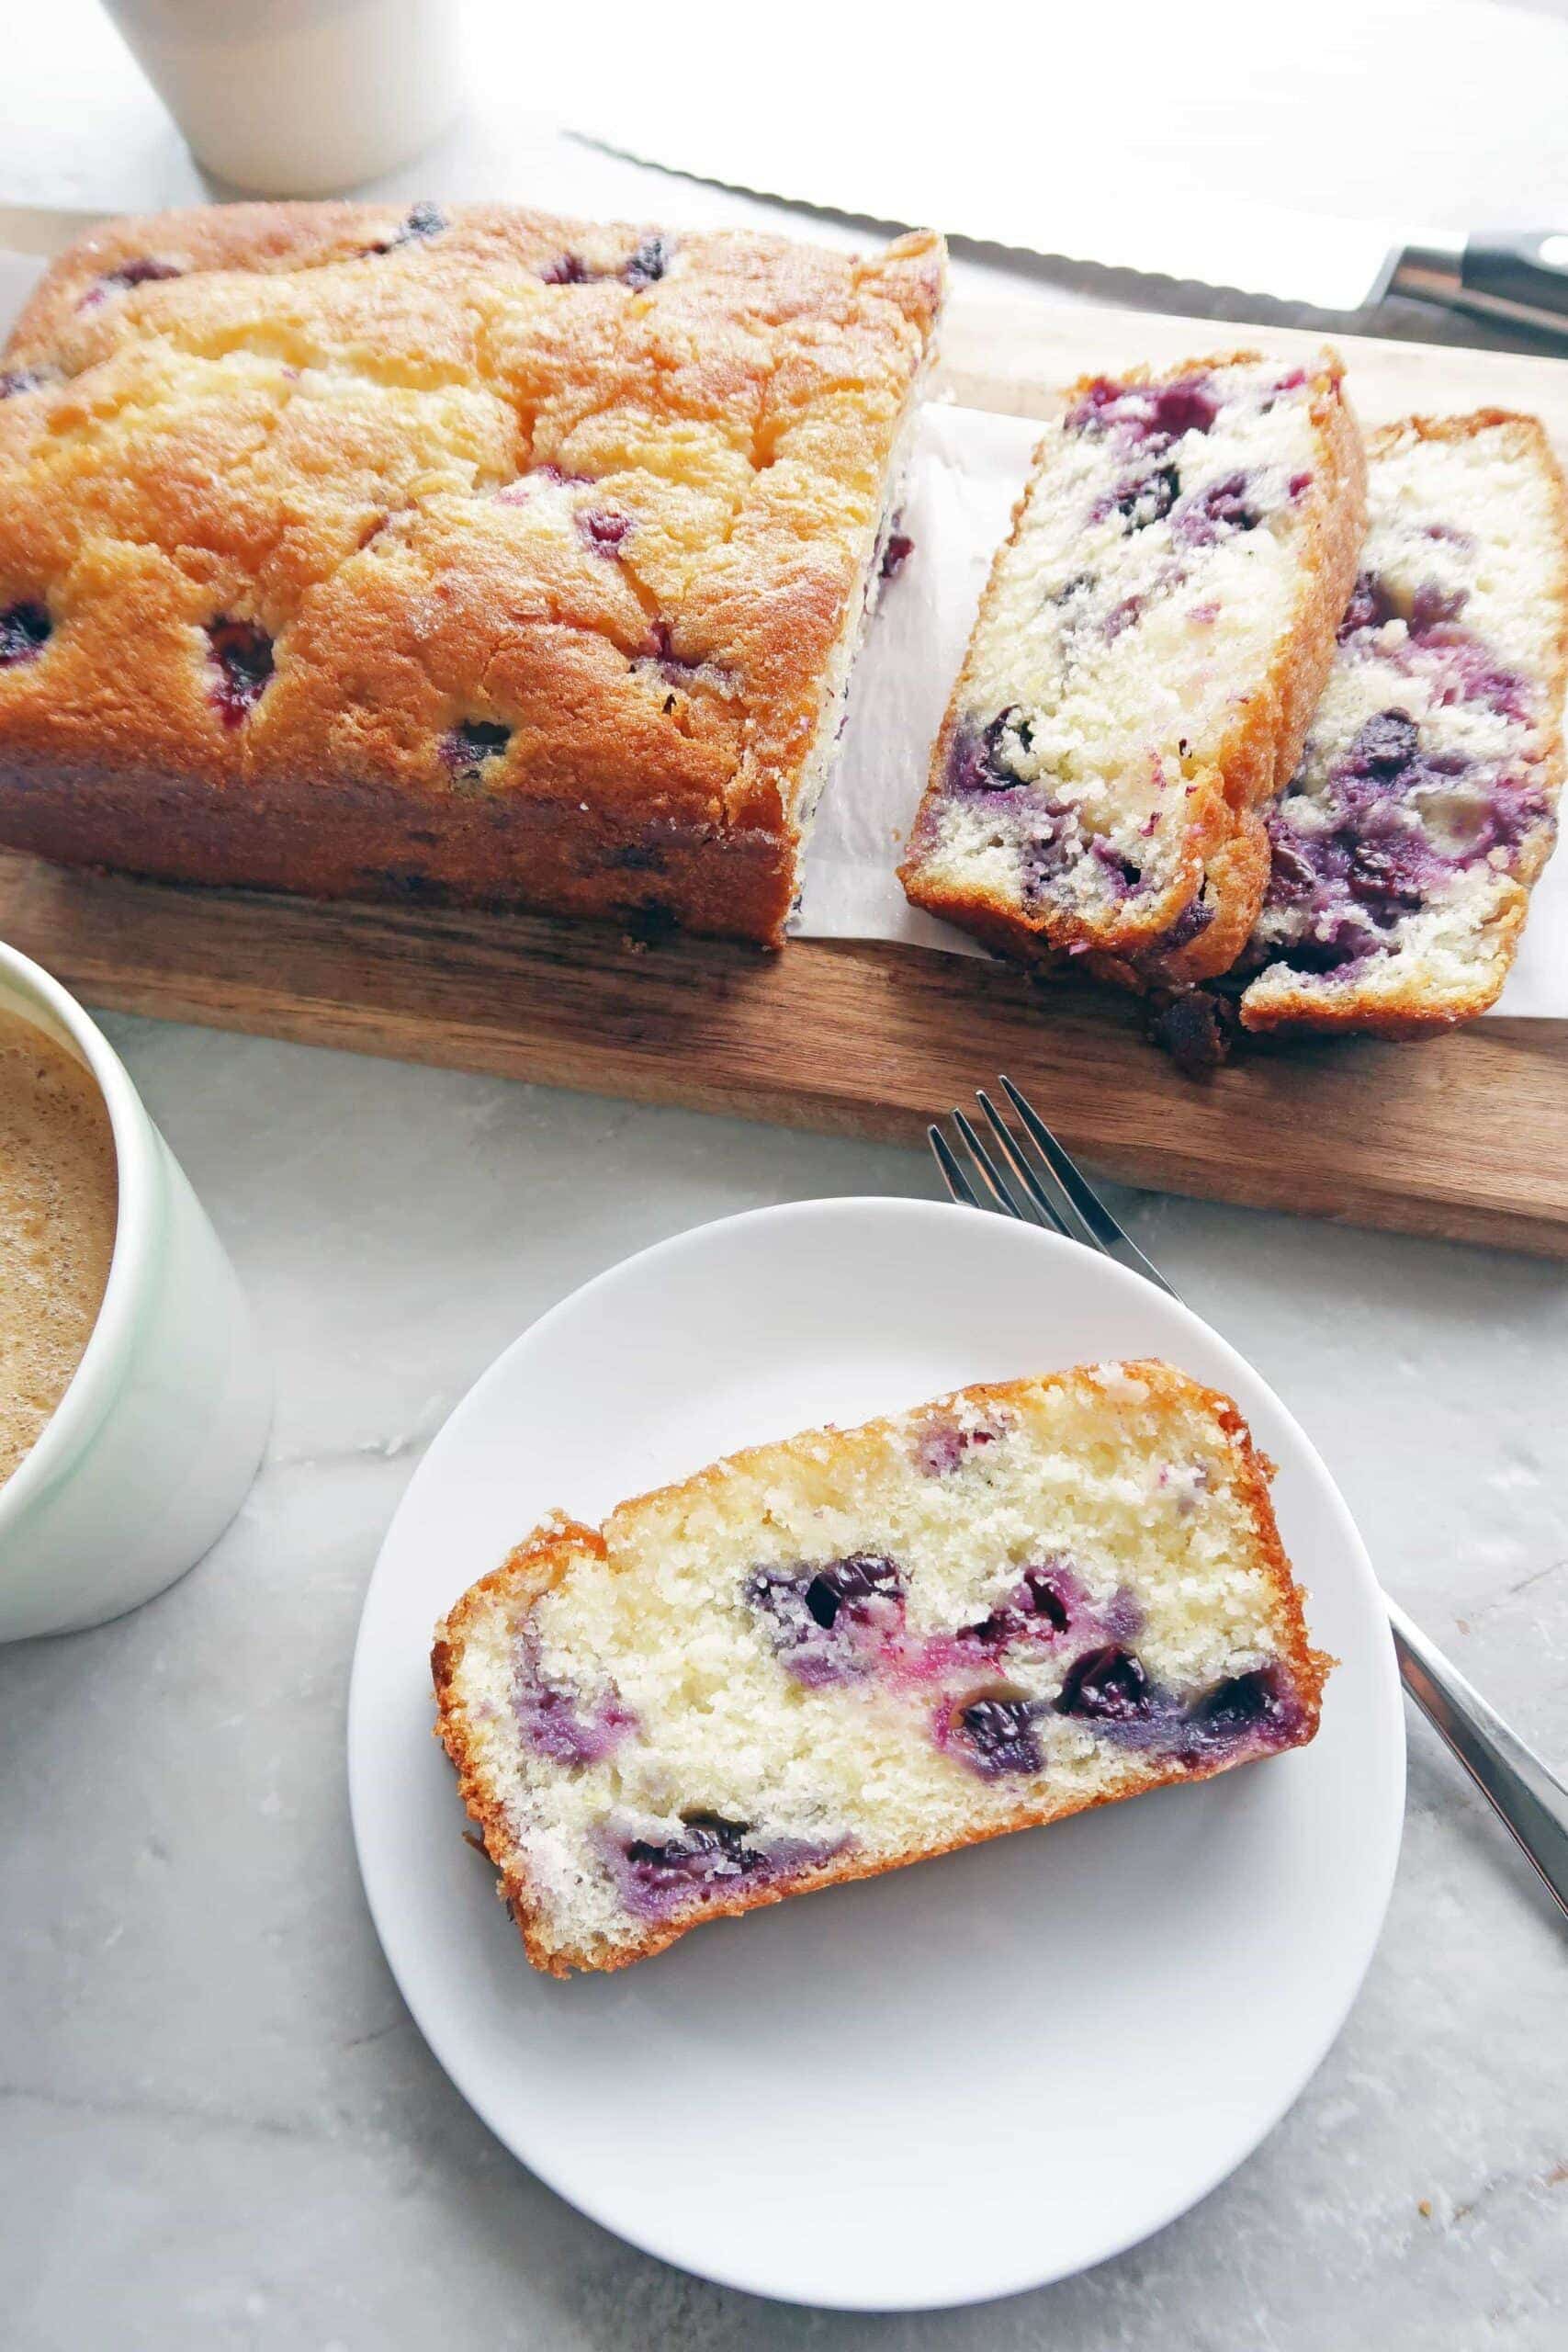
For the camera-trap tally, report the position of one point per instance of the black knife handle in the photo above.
(1517, 276)
(1525, 266)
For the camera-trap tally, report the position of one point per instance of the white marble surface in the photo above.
(218, 2126)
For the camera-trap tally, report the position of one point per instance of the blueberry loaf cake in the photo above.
(824, 1659)
(1147, 654)
(456, 553)
(1404, 850)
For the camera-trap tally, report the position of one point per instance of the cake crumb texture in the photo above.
(1147, 654)
(824, 1659)
(1404, 850)
(449, 553)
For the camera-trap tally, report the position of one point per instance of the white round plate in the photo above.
(954, 2081)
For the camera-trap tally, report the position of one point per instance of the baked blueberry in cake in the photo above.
(459, 551)
(1425, 806)
(825, 1658)
(1148, 652)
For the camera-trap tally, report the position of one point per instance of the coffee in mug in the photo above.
(59, 1203)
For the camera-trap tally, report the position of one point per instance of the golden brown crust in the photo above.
(544, 1557)
(1227, 845)
(389, 446)
(1409, 1013)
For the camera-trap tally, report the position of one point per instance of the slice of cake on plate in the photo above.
(824, 1659)
(1147, 654)
(456, 553)
(1425, 806)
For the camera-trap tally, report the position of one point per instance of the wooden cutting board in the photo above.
(1465, 1137)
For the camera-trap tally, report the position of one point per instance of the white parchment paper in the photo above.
(968, 468)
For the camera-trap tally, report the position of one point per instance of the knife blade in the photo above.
(1337, 265)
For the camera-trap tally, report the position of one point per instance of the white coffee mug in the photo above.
(151, 1449)
(300, 97)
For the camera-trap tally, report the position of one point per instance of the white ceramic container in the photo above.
(153, 1445)
(300, 97)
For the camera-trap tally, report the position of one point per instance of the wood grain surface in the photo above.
(1465, 1137)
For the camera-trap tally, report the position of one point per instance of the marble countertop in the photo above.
(218, 2125)
(217, 2122)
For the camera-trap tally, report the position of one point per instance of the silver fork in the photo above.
(1040, 1183)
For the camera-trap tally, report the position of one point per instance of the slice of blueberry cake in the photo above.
(1424, 809)
(824, 1659)
(1147, 654)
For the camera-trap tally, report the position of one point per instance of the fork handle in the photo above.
(1528, 1798)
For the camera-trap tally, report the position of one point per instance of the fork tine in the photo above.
(1049, 1213)
(1069, 1217)
(952, 1176)
(996, 1183)
(1100, 1227)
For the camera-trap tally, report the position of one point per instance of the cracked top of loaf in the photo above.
(461, 500)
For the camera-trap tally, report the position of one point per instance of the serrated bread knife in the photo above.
(1516, 277)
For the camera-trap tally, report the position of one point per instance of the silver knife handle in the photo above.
(1517, 276)
(1530, 1799)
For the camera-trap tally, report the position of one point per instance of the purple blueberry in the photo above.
(1122, 615)
(712, 1853)
(650, 263)
(1217, 510)
(1040, 1603)
(1385, 746)
(1190, 924)
(141, 270)
(1141, 415)
(18, 379)
(1242, 1703)
(1145, 498)
(672, 665)
(242, 655)
(995, 1734)
(1107, 1685)
(713, 1856)
(422, 221)
(1371, 606)
(1292, 876)
(1120, 872)
(896, 553)
(25, 630)
(602, 528)
(1432, 607)
(942, 1445)
(1044, 1593)
(1186, 406)
(1334, 944)
(465, 749)
(1383, 881)
(978, 763)
(557, 1721)
(567, 269)
(826, 1620)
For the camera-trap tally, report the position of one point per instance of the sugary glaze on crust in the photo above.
(1195, 919)
(505, 1617)
(1425, 808)
(457, 553)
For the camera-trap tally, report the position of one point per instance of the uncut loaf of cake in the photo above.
(824, 1659)
(1425, 806)
(1147, 654)
(450, 553)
